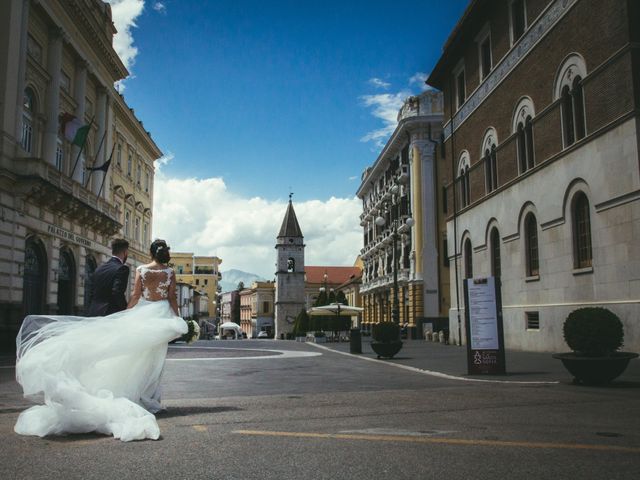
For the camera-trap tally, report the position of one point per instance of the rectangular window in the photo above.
(145, 234)
(461, 91)
(147, 182)
(119, 156)
(197, 281)
(27, 134)
(533, 320)
(127, 217)
(34, 49)
(485, 57)
(180, 269)
(129, 164)
(445, 252)
(518, 20)
(265, 307)
(59, 154)
(65, 82)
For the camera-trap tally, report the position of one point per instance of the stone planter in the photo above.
(386, 349)
(595, 370)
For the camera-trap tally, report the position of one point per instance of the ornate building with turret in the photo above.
(400, 198)
(290, 295)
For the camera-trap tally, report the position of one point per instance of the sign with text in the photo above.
(483, 322)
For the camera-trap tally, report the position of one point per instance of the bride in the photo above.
(102, 374)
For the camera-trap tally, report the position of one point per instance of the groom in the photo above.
(110, 282)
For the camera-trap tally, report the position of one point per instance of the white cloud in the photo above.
(160, 7)
(385, 107)
(124, 14)
(419, 79)
(204, 217)
(376, 82)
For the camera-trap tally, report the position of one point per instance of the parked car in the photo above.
(263, 334)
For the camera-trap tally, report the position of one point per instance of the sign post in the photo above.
(483, 323)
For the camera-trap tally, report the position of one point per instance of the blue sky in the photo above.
(260, 96)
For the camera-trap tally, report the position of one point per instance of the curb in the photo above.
(432, 373)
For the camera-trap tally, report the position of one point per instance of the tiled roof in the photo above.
(335, 275)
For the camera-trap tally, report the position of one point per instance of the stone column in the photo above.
(79, 95)
(101, 121)
(415, 155)
(22, 66)
(54, 63)
(430, 231)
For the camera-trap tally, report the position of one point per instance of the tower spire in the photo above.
(290, 226)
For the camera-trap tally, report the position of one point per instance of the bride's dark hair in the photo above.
(160, 251)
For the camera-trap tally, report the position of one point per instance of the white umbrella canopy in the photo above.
(335, 308)
(230, 326)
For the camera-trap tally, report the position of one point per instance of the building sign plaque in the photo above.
(68, 236)
(483, 322)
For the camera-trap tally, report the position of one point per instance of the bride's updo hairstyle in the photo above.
(160, 251)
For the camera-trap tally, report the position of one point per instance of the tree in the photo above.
(341, 298)
(240, 286)
(332, 296)
(235, 309)
(301, 325)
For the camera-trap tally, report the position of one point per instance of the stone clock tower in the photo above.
(289, 273)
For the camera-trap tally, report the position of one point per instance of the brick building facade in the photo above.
(541, 137)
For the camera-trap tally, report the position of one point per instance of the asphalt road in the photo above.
(282, 410)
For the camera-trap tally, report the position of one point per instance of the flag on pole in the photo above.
(104, 167)
(73, 129)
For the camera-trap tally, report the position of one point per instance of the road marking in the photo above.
(443, 441)
(398, 432)
(433, 373)
(199, 428)
(281, 354)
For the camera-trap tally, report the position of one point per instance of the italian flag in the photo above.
(73, 129)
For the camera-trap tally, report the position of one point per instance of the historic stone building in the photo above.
(202, 272)
(402, 184)
(56, 217)
(257, 308)
(290, 299)
(541, 105)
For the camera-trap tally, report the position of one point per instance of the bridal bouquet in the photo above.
(194, 332)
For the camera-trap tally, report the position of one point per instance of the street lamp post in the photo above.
(395, 225)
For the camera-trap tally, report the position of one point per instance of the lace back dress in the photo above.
(99, 374)
(155, 283)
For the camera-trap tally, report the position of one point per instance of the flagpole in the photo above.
(104, 177)
(100, 144)
(81, 148)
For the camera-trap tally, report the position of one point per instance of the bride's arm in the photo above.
(137, 291)
(173, 298)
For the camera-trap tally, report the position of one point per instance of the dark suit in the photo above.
(109, 284)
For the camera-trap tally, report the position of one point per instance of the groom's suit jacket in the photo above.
(108, 288)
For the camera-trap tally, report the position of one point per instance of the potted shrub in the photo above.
(386, 339)
(594, 334)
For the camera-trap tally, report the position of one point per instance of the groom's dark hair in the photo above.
(118, 246)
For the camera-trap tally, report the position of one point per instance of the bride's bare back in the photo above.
(155, 282)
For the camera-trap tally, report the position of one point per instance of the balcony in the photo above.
(40, 183)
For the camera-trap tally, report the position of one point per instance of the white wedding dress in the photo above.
(99, 374)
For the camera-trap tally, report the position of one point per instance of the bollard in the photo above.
(355, 341)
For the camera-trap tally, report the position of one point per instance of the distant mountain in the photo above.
(231, 278)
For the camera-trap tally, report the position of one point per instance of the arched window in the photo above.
(531, 245)
(568, 133)
(291, 264)
(496, 268)
(581, 231)
(489, 158)
(569, 90)
(463, 180)
(523, 128)
(468, 259)
(577, 95)
(28, 113)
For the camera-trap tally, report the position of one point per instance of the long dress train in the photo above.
(97, 374)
